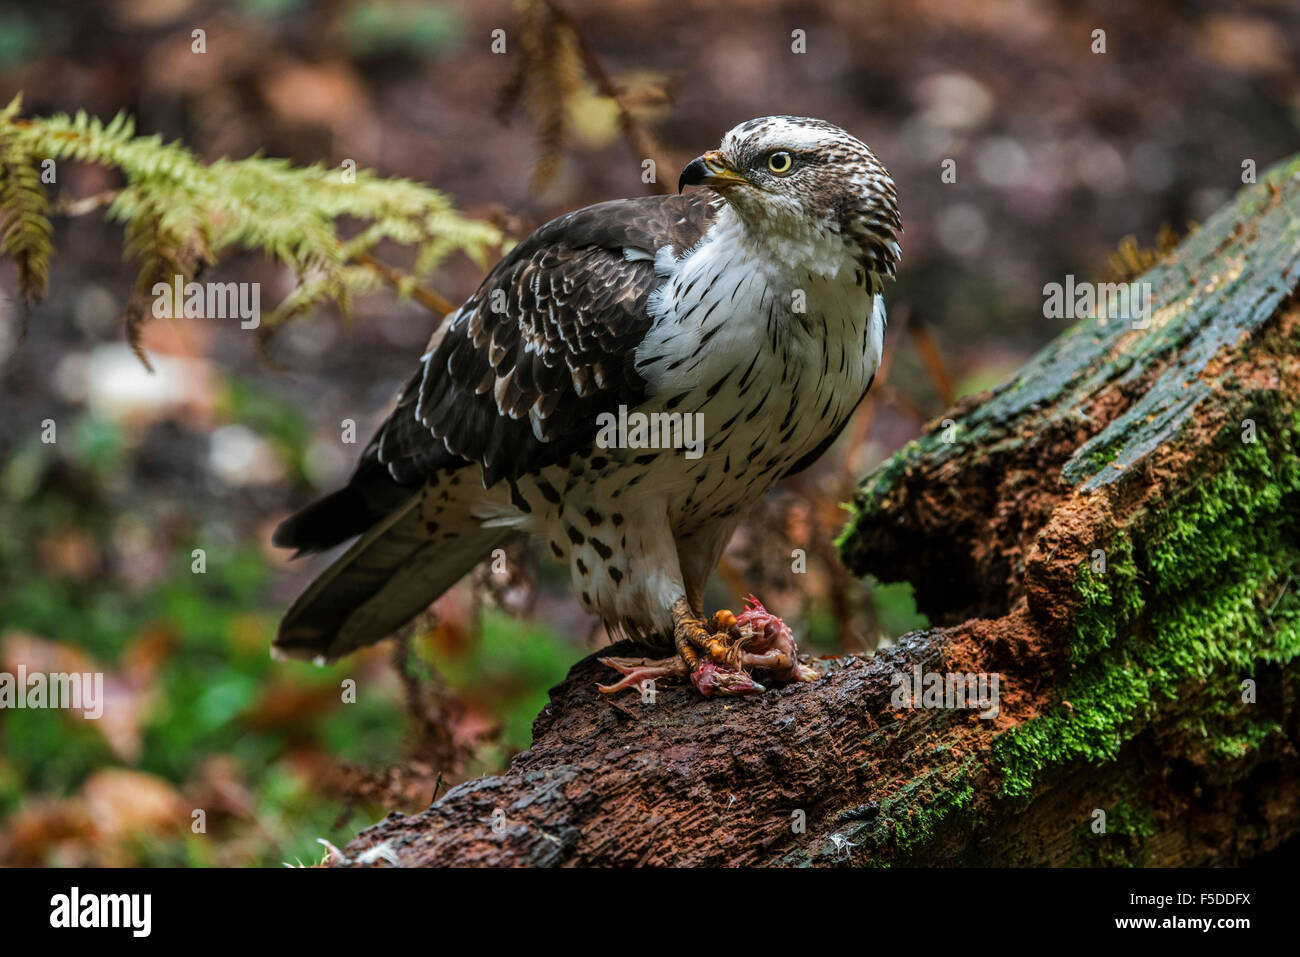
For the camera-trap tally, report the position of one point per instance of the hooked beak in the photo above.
(709, 170)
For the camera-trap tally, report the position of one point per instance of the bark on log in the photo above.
(1114, 533)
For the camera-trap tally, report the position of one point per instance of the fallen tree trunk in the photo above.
(1113, 535)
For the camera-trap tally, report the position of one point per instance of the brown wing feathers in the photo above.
(551, 330)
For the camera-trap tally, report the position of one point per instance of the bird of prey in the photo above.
(752, 310)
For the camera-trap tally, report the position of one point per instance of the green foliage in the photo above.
(25, 230)
(21, 35)
(893, 612)
(511, 666)
(215, 694)
(281, 422)
(895, 604)
(377, 28)
(180, 213)
(209, 692)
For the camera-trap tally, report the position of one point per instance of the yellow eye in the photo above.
(780, 162)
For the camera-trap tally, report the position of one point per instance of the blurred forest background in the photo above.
(1061, 153)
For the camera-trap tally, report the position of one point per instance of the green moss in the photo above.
(911, 818)
(1101, 457)
(916, 825)
(1127, 829)
(1110, 599)
(1192, 597)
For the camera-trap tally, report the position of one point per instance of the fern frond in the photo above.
(26, 235)
(180, 214)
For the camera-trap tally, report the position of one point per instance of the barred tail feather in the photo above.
(385, 579)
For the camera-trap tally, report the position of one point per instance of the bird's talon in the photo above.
(718, 655)
(722, 622)
(719, 649)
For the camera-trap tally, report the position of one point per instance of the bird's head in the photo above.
(804, 181)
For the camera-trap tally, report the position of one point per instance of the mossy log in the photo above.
(1115, 534)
